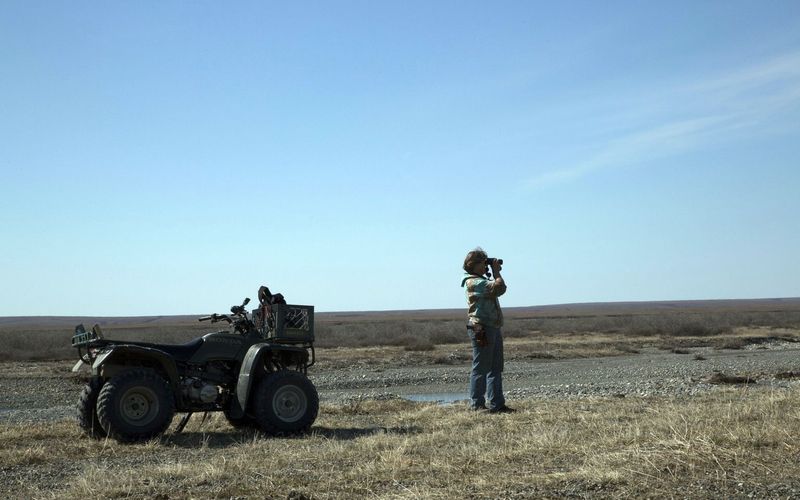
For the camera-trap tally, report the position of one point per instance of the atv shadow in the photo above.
(350, 433)
(212, 439)
(218, 439)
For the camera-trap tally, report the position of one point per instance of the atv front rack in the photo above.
(285, 323)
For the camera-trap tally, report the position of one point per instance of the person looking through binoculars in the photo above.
(484, 323)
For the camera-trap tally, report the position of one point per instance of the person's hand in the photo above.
(496, 268)
(480, 335)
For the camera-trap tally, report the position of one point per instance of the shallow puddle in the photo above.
(444, 398)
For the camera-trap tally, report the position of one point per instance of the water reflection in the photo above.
(444, 398)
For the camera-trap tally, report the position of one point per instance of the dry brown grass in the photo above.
(730, 443)
(546, 346)
(427, 339)
(48, 341)
(680, 327)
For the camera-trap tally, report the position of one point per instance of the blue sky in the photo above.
(170, 157)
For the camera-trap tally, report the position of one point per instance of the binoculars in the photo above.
(489, 262)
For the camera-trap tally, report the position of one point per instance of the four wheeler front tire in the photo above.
(135, 405)
(87, 409)
(285, 402)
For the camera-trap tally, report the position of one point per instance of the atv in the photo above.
(255, 372)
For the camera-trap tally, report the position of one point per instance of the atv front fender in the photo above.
(252, 368)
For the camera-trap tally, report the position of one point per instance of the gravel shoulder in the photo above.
(653, 373)
(48, 391)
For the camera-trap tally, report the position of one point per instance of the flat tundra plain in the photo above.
(615, 400)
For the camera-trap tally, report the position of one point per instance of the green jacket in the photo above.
(482, 294)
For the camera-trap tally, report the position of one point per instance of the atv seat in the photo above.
(182, 352)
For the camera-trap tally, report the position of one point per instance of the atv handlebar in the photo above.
(216, 317)
(238, 312)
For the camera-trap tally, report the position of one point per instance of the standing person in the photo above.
(485, 319)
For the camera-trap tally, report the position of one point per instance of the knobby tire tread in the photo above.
(106, 412)
(264, 415)
(87, 409)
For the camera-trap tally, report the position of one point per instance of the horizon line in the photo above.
(441, 309)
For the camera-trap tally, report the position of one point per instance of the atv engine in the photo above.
(198, 390)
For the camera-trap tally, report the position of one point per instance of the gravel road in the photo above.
(42, 391)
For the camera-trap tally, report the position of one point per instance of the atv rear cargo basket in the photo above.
(292, 323)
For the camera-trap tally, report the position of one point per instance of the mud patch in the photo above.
(721, 378)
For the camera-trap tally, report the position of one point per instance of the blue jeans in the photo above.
(486, 379)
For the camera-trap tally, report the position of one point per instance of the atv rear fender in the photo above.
(255, 364)
(124, 357)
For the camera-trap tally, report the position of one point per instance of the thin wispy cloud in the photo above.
(785, 67)
(705, 111)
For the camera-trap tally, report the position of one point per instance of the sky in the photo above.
(162, 158)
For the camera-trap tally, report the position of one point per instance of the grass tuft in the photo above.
(733, 442)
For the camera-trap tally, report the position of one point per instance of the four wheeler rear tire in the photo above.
(135, 405)
(87, 409)
(285, 402)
